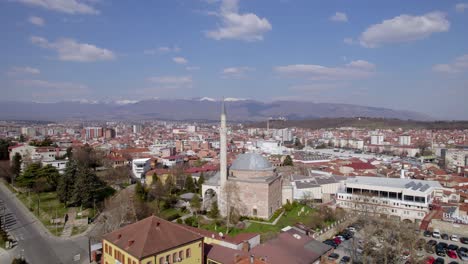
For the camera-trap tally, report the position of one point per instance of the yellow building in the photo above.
(152, 241)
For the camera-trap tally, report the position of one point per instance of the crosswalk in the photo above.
(9, 223)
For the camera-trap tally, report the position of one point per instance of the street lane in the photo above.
(31, 243)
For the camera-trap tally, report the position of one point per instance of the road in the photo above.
(34, 242)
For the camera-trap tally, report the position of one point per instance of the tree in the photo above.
(5, 170)
(21, 138)
(288, 161)
(189, 184)
(200, 182)
(141, 192)
(157, 192)
(29, 176)
(86, 187)
(214, 212)
(51, 174)
(66, 183)
(4, 144)
(16, 164)
(195, 204)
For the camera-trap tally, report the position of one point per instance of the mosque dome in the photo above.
(251, 162)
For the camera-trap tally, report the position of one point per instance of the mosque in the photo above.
(251, 185)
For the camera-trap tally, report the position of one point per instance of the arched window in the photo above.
(188, 253)
(174, 257)
(181, 254)
(161, 260)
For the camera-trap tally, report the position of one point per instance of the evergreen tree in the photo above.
(141, 192)
(21, 138)
(200, 182)
(86, 187)
(51, 174)
(169, 185)
(189, 184)
(29, 176)
(66, 183)
(288, 161)
(16, 165)
(214, 212)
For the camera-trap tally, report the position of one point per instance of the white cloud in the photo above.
(404, 28)
(23, 70)
(246, 27)
(70, 50)
(460, 7)
(348, 41)
(460, 64)
(52, 85)
(315, 87)
(180, 60)
(358, 69)
(172, 82)
(38, 21)
(161, 50)
(236, 72)
(339, 17)
(64, 6)
(192, 68)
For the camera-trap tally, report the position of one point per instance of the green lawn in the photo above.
(49, 207)
(288, 219)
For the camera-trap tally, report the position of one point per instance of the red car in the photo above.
(452, 254)
(337, 240)
(430, 260)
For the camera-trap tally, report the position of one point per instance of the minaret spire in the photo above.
(222, 160)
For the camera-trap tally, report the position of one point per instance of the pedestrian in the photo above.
(66, 218)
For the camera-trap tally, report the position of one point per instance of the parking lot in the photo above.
(348, 248)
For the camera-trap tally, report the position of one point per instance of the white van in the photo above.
(436, 233)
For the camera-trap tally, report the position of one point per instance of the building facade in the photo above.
(406, 199)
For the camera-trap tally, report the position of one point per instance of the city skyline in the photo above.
(397, 55)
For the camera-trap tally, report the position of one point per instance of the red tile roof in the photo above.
(150, 236)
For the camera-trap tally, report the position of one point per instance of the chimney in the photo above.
(402, 174)
(130, 243)
(251, 259)
(119, 236)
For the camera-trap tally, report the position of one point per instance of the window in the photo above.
(161, 260)
(110, 251)
(254, 212)
(188, 253)
(129, 261)
(181, 254)
(174, 257)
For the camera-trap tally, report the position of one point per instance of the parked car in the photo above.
(452, 247)
(432, 242)
(430, 260)
(453, 262)
(464, 240)
(441, 249)
(452, 254)
(444, 236)
(463, 253)
(427, 233)
(436, 233)
(429, 249)
(454, 238)
(351, 228)
(337, 240)
(345, 259)
(439, 261)
(330, 242)
(333, 256)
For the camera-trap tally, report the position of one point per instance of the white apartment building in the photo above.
(404, 140)
(140, 167)
(60, 165)
(377, 139)
(406, 199)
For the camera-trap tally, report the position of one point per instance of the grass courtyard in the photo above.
(45, 206)
(288, 219)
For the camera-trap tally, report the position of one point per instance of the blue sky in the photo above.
(409, 55)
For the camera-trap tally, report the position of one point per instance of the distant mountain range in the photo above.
(201, 109)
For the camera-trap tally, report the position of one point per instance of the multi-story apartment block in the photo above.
(407, 199)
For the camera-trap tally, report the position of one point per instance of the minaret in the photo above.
(222, 196)
(223, 147)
